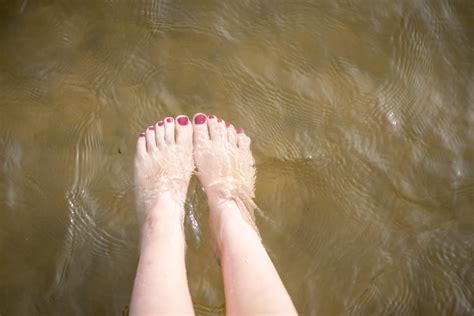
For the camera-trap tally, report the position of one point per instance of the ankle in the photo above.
(162, 224)
(164, 209)
(227, 224)
(166, 212)
(220, 207)
(166, 201)
(227, 216)
(219, 201)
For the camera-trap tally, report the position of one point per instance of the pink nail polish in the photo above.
(142, 134)
(200, 119)
(169, 120)
(219, 120)
(183, 120)
(151, 128)
(227, 124)
(211, 116)
(161, 123)
(240, 130)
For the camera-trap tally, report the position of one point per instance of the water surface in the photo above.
(362, 119)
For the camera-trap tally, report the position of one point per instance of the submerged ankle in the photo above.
(165, 207)
(225, 212)
(218, 201)
(227, 223)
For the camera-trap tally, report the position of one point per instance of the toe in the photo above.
(150, 139)
(184, 131)
(214, 130)
(160, 134)
(169, 130)
(231, 135)
(141, 145)
(243, 141)
(200, 130)
(222, 129)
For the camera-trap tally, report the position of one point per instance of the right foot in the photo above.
(225, 165)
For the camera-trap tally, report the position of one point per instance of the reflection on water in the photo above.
(362, 117)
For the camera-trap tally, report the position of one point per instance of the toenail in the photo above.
(161, 123)
(240, 131)
(169, 120)
(142, 134)
(183, 120)
(200, 119)
(151, 128)
(211, 116)
(219, 120)
(227, 124)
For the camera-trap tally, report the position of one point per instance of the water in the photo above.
(362, 118)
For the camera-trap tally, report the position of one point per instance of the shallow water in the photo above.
(362, 119)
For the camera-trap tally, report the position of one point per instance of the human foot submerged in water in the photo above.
(163, 168)
(163, 164)
(167, 152)
(225, 165)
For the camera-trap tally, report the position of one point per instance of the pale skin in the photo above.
(167, 154)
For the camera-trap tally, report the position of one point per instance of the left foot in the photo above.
(226, 168)
(163, 165)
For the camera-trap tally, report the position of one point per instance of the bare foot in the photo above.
(225, 165)
(163, 165)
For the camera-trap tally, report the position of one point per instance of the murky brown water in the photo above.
(362, 116)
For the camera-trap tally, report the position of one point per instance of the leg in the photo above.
(225, 168)
(252, 284)
(163, 167)
(161, 284)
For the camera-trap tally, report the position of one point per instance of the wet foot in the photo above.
(163, 166)
(225, 166)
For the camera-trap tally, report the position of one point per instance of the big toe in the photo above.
(184, 131)
(200, 130)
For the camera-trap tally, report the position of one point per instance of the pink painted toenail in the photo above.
(219, 120)
(183, 120)
(161, 123)
(151, 128)
(240, 131)
(142, 134)
(211, 116)
(169, 120)
(227, 124)
(200, 119)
